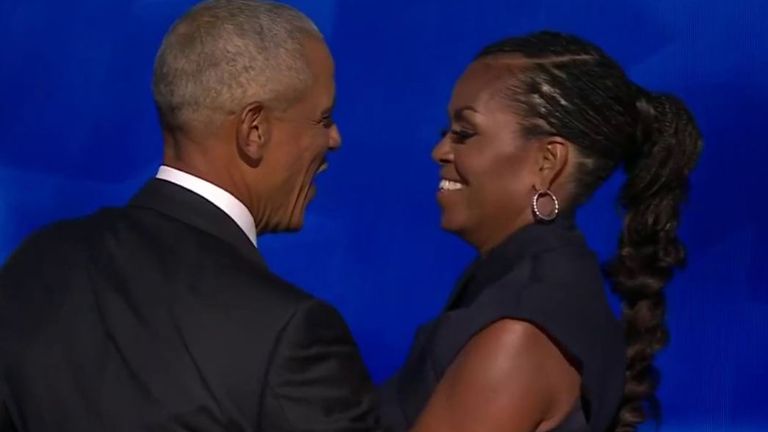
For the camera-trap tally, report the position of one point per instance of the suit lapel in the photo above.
(190, 208)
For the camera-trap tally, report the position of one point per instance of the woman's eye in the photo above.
(459, 135)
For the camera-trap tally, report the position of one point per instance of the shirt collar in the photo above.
(216, 195)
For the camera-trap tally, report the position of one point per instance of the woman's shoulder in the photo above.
(561, 292)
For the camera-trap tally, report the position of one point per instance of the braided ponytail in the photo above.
(649, 248)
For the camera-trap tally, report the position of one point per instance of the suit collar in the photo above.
(190, 208)
(221, 198)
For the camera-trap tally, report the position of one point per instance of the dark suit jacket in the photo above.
(162, 316)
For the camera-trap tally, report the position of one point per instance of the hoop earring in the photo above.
(535, 206)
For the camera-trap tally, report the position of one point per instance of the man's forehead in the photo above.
(317, 55)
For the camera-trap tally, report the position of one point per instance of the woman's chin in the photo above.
(451, 223)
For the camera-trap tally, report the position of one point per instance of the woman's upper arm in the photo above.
(509, 377)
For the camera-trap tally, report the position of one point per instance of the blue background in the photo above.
(78, 131)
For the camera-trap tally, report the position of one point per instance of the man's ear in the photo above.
(553, 159)
(253, 132)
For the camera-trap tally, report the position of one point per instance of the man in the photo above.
(161, 315)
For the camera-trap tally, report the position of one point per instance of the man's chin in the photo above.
(291, 223)
(294, 227)
(295, 221)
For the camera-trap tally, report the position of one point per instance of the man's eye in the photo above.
(327, 122)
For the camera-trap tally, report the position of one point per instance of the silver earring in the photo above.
(535, 205)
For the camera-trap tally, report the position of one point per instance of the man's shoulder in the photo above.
(254, 283)
(149, 245)
(55, 238)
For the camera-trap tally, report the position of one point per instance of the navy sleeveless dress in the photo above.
(542, 274)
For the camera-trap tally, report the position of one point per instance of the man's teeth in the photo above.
(322, 168)
(450, 185)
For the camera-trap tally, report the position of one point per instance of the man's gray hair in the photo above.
(223, 54)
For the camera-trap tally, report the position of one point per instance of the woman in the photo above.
(528, 341)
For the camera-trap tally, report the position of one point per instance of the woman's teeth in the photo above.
(450, 185)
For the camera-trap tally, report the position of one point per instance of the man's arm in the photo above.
(317, 380)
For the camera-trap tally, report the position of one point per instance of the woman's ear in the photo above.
(553, 158)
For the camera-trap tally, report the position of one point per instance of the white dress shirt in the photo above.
(216, 195)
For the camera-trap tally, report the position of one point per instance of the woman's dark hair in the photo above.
(570, 88)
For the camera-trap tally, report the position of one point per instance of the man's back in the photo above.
(162, 316)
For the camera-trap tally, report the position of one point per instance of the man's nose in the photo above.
(335, 138)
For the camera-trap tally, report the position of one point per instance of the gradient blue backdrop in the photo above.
(78, 131)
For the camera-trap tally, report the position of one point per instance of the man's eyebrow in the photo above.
(329, 110)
